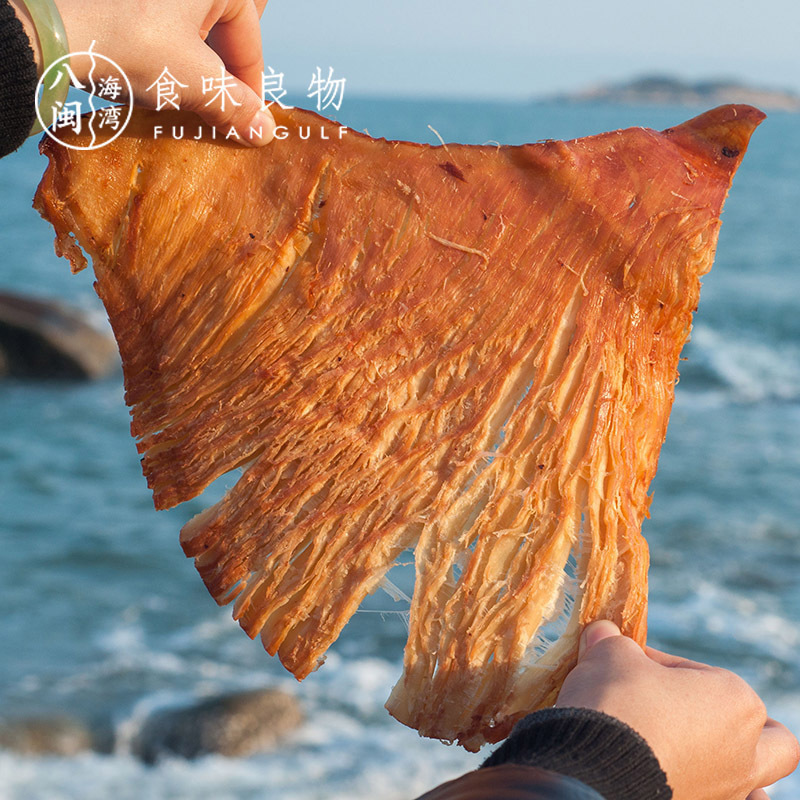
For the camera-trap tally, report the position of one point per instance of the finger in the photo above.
(236, 38)
(758, 794)
(260, 6)
(669, 660)
(595, 632)
(237, 106)
(777, 753)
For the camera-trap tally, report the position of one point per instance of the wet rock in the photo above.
(57, 735)
(45, 339)
(232, 725)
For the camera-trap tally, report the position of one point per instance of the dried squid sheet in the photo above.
(470, 351)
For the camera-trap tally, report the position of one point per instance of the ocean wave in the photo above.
(751, 634)
(740, 369)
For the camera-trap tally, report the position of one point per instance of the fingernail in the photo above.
(261, 129)
(596, 632)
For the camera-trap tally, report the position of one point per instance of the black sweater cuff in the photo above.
(590, 746)
(17, 81)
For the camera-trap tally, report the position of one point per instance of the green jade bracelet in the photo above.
(53, 43)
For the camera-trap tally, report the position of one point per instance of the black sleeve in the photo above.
(512, 782)
(17, 81)
(589, 746)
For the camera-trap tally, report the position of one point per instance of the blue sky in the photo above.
(523, 48)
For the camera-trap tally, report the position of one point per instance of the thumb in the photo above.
(595, 632)
(226, 102)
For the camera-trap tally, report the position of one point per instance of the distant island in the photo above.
(665, 90)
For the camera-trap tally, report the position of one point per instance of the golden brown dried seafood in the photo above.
(470, 351)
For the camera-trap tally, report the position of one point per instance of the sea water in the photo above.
(103, 618)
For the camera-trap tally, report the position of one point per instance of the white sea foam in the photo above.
(751, 371)
(710, 609)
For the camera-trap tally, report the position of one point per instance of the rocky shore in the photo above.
(238, 724)
(665, 90)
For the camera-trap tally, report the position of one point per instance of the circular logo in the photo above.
(92, 119)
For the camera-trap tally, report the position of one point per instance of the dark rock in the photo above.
(104, 734)
(45, 339)
(232, 725)
(57, 735)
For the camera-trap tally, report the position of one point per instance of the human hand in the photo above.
(707, 727)
(193, 39)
